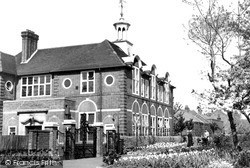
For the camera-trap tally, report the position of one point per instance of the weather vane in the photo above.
(121, 4)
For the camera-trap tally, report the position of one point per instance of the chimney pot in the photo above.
(29, 44)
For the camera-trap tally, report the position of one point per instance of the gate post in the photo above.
(70, 138)
(99, 138)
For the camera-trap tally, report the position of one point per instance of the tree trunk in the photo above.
(233, 128)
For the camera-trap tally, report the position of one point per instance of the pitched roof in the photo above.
(7, 63)
(81, 57)
(191, 114)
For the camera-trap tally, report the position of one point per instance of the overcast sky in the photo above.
(156, 31)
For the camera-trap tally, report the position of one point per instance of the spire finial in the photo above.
(121, 5)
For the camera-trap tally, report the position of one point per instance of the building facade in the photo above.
(43, 87)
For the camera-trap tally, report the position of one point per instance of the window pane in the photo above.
(91, 118)
(24, 81)
(47, 89)
(91, 86)
(84, 86)
(24, 91)
(30, 91)
(48, 79)
(90, 137)
(36, 90)
(41, 79)
(91, 75)
(84, 75)
(36, 80)
(30, 80)
(41, 89)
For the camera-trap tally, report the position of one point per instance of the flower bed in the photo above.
(158, 148)
(177, 159)
(164, 155)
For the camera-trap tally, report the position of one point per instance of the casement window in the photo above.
(153, 127)
(144, 124)
(160, 93)
(160, 126)
(12, 130)
(153, 87)
(167, 127)
(36, 86)
(166, 94)
(146, 88)
(142, 87)
(87, 82)
(135, 80)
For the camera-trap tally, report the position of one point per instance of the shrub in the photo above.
(220, 164)
(243, 159)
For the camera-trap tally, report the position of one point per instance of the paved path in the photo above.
(83, 163)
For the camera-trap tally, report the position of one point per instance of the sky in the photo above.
(156, 31)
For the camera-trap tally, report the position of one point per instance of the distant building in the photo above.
(43, 87)
(201, 122)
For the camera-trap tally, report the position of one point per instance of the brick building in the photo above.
(104, 80)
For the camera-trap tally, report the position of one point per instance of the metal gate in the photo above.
(81, 143)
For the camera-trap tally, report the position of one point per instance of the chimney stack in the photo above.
(29, 44)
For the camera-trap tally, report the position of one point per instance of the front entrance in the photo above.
(81, 143)
(32, 128)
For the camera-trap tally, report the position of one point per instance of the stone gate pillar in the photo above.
(99, 139)
(52, 127)
(69, 126)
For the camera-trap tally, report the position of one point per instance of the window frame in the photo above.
(38, 84)
(63, 83)
(153, 87)
(146, 88)
(136, 80)
(142, 87)
(9, 127)
(87, 80)
(87, 118)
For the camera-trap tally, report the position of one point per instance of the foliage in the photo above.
(222, 141)
(212, 30)
(189, 124)
(179, 125)
(177, 107)
(130, 141)
(214, 127)
(180, 159)
(111, 157)
(243, 159)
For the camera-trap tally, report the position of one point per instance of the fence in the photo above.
(14, 142)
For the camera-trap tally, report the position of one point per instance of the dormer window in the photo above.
(135, 80)
(88, 82)
(36, 86)
(153, 87)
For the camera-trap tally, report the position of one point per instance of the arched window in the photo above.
(145, 122)
(160, 122)
(153, 120)
(136, 124)
(166, 123)
(89, 108)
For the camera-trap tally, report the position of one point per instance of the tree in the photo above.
(214, 127)
(177, 107)
(179, 125)
(210, 29)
